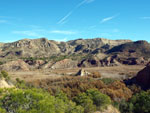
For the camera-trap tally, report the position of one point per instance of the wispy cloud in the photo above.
(61, 40)
(8, 20)
(3, 21)
(84, 2)
(146, 18)
(42, 32)
(108, 18)
(27, 33)
(64, 19)
(63, 32)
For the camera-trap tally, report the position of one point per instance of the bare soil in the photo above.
(119, 72)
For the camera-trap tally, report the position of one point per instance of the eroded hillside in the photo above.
(43, 53)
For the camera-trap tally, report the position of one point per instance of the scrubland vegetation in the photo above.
(55, 58)
(72, 94)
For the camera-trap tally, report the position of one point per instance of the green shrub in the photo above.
(35, 101)
(4, 74)
(92, 99)
(21, 84)
(141, 102)
(1, 76)
(100, 100)
(1, 63)
(108, 80)
(85, 101)
(125, 107)
(60, 95)
(2, 110)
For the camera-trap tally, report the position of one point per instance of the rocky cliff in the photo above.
(143, 77)
(45, 48)
(44, 53)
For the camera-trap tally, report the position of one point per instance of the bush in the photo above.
(100, 100)
(1, 76)
(141, 102)
(85, 101)
(1, 63)
(74, 85)
(4, 74)
(125, 107)
(2, 110)
(35, 101)
(135, 88)
(95, 75)
(21, 84)
(92, 99)
(108, 81)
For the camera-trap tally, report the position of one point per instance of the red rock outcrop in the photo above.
(143, 77)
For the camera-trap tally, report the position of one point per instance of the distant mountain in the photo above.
(132, 52)
(46, 48)
(44, 53)
(30, 48)
(139, 48)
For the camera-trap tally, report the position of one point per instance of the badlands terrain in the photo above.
(78, 76)
(41, 58)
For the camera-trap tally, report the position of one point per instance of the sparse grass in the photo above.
(95, 74)
(35, 58)
(58, 57)
(4, 75)
(1, 63)
(108, 81)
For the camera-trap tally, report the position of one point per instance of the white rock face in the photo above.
(66, 63)
(82, 72)
(110, 109)
(4, 84)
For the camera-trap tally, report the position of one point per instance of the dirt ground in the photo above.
(119, 72)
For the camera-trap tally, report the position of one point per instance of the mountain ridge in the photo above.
(52, 47)
(80, 52)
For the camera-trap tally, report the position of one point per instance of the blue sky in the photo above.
(64, 20)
